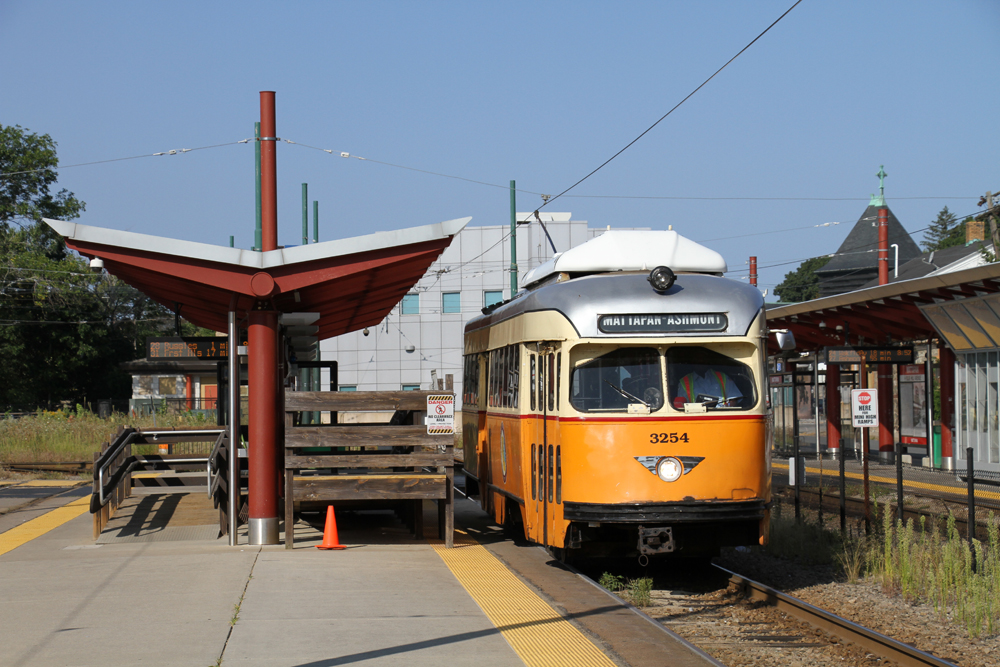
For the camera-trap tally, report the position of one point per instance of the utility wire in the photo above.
(119, 159)
(676, 106)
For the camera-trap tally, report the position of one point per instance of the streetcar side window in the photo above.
(697, 374)
(470, 380)
(612, 381)
(532, 364)
(552, 382)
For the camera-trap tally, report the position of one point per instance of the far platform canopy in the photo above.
(351, 283)
(632, 250)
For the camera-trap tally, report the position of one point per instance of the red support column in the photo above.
(753, 270)
(947, 368)
(268, 171)
(189, 391)
(886, 414)
(263, 372)
(833, 409)
(883, 246)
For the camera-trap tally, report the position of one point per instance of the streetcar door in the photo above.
(545, 386)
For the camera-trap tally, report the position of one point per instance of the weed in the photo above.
(612, 582)
(639, 591)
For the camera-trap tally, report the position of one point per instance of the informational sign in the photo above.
(662, 322)
(870, 355)
(913, 405)
(440, 418)
(864, 407)
(207, 348)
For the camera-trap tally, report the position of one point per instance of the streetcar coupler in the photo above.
(656, 540)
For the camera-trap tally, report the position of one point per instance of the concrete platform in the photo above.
(158, 588)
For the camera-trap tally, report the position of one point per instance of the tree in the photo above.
(63, 329)
(801, 284)
(944, 232)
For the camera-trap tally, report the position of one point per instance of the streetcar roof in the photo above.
(632, 250)
(587, 299)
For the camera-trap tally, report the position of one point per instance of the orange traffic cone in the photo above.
(330, 538)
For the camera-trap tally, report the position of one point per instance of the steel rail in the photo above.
(886, 647)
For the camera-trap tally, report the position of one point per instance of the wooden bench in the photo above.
(395, 461)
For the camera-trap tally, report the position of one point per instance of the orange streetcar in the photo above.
(610, 409)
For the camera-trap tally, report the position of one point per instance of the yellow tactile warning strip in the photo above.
(539, 635)
(37, 527)
(146, 475)
(892, 480)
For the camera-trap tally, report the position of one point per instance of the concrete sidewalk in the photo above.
(65, 600)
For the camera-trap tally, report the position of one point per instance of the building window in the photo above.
(491, 297)
(411, 304)
(451, 302)
(411, 387)
(348, 387)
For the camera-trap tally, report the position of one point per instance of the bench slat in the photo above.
(371, 487)
(352, 435)
(420, 459)
(339, 401)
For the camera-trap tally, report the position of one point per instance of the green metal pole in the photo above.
(257, 243)
(305, 214)
(315, 222)
(513, 240)
(232, 241)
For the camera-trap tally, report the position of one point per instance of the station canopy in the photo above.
(962, 308)
(350, 283)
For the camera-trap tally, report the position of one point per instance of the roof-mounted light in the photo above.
(661, 278)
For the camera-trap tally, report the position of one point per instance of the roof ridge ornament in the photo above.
(880, 200)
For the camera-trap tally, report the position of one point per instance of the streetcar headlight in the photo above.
(661, 278)
(669, 469)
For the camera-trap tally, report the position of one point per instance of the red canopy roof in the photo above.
(350, 283)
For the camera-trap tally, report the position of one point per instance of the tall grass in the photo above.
(65, 435)
(923, 565)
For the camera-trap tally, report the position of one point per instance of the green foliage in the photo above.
(802, 284)
(63, 329)
(637, 591)
(944, 232)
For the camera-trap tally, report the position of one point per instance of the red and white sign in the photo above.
(440, 414)
(864, 407)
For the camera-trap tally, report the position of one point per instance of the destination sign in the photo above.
(663, 323)
(870, 355)
(208, 348)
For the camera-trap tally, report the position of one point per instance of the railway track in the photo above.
(69, 467)
(741, 622)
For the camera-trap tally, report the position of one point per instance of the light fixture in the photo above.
(410, 348)
(661, 278)
(365, 332)
(97, 265)
(669, 469)
(822, 324)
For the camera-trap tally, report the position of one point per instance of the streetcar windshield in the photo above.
(613, 381)
(698, 375)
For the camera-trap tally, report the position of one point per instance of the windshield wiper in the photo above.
(628, 395)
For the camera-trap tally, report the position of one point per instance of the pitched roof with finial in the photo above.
(857, 258)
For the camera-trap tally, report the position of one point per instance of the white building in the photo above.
(420, 342)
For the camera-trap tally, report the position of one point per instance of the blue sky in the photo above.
(539, 92)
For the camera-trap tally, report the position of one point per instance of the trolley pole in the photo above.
(513, 240)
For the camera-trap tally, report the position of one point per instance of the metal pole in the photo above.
(305, 214)
(864, 454)
(257, 233)
(899, 481)
(843, 489)
(929, 402)
(234, 426)
(315, 222)
(971, 472)
(798, 476)
(268, 169)
(753, 270)
(513, 240)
